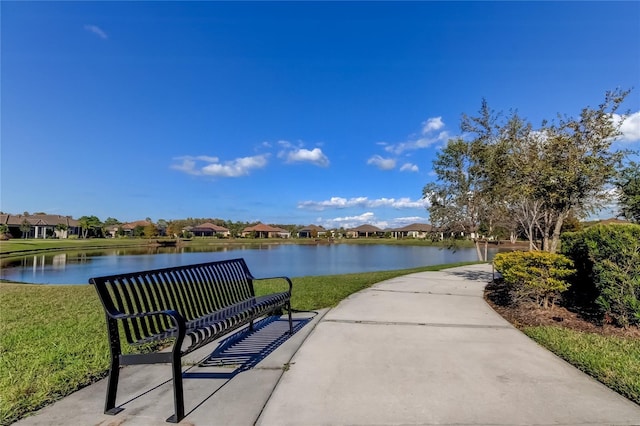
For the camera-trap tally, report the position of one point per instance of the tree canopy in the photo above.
(526, 179)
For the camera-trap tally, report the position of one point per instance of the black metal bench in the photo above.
(202, 302)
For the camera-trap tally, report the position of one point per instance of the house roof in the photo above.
(132, 225)
(366, 228)
(419, 227)
(38, 219)
(211, 226)
(261, 227)
(313, 228)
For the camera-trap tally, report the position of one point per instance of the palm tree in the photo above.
(62, 230)
(25, 228)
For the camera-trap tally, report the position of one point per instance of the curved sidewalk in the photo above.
(422, 349)
(426, 349)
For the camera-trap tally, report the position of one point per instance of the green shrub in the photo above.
(608, 258)
(536, 276)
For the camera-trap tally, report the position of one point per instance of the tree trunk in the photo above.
(531, 243)
(555, 239)
(478, 250)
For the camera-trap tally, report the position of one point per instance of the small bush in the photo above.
(534, 276)
(608, 259)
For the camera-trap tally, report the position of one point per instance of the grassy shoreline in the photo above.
(23, 247)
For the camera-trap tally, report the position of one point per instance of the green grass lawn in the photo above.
(614, 361)
(19, 247)
(53, 338)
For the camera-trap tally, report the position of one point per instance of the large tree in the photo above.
(579, 164)
(89, 224)
(508, 173)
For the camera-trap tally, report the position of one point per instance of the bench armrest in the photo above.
(277, 278)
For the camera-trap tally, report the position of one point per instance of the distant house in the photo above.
(128, 228)
(365, 231)
(415, 230)
(265, 231)
(41, 225)
(312, 231)
(209, 230)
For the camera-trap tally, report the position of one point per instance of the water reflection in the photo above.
(76, 267)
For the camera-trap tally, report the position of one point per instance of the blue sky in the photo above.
(291, 112)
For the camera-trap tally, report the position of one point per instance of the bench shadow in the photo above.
(241, 351)
(244, 349)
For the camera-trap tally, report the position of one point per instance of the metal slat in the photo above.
(162, 294)
(223, 298)
(202, 291)
(191, 302)
(150, 304)
(195, 296)
(234, 282)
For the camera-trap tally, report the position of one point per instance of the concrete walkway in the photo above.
(423, 349)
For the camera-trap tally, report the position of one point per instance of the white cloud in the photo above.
(314, 156)
(432, 124)
(409, 167)
(430, 134)
(212, 166)
(630, 127)
(382, 163)
(348, 222)
(292, 154)
(404, 221)
(97, 31)
(369, 218)
(187, 166)
(420, 143)
(362, 202)
(285, 144)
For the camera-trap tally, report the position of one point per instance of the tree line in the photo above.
(506, 173)
(92, 226)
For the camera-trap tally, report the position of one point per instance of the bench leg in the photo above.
(114, 370)
(178, 394)
(112, 389)
(290, 319)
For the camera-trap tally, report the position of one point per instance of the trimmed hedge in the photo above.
(608, 261)
(534, 275)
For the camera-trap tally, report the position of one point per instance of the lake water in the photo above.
(263, 260)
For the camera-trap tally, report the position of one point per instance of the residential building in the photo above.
(365, 231)
(312, 231)
(209, 230)
(265, 231)
(41, 225)
(415, 230)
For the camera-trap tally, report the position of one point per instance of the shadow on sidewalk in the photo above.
(485, 276)
(240, 351)
(244, 349)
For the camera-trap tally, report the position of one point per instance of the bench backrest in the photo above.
(192, 290)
